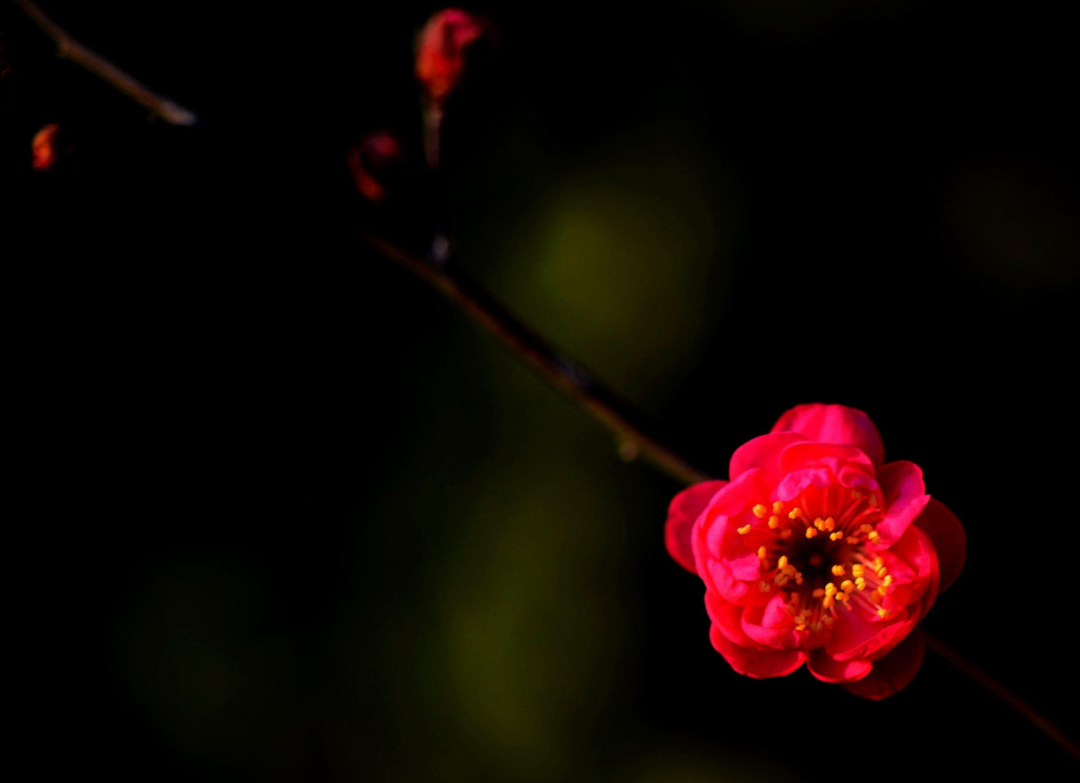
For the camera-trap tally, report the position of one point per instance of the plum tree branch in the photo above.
(635, 435)
(70, 49)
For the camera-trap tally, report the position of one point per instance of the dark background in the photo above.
(292, 517)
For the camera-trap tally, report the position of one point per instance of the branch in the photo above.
(985, 680)
(568, 377)
(68, 48)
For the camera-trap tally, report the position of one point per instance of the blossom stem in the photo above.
(68, 48)
(635, 435)
(986, 681)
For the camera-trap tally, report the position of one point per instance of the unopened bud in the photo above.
(45, 148)
(441, 48)
(371, 160)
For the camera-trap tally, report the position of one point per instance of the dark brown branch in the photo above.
(985, 680)
(570, 378)
(68, 48)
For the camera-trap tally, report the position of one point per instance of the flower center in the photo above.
(817, 554)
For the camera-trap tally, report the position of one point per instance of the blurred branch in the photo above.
(68, 48)
(986, 681)
(600, 402)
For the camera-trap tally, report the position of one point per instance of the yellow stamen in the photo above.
(795, 513)
(828, 602)
(777, 507)
(881, 572)
(760, 511)
(830, 524)
(830, 588)
(883, 613)
(860, 582)
(873, 536)
(819, 523)
(837, 570)
(811, 532)
(865, 528)
(783, 561)
(847, 586)
(744, 530)
(774, 522)
(886, 581)
(836, 536)
(858, 569)
(762, 551)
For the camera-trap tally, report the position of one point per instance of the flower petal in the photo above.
(834, 424)
(718, 577)
(771, 626)
(857, 636)
(756, 663)
(685, 508)
(913, 564)
(728, 618)
(762, 452)
(828, 669)
(905, 498)
(948, 537)
(893, 672)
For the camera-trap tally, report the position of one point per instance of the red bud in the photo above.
(45, 147)
(441, 47)
(369, 162)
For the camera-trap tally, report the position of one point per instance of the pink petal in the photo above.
(857, 636)
(828, 669)
(718, 577)
(770, 626)
(756, 663)
(893, 672)
(834, 424)
(685, 508)
(728, 618)
(762, 452)
(948, 537)
(807, 454)
(905, 498)
(913, 564)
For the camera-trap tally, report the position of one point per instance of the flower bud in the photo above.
(371, 161)
(45, 148)
(441, 48)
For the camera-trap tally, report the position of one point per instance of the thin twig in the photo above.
(570, 378)
(1003, 693)
(67, 47)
